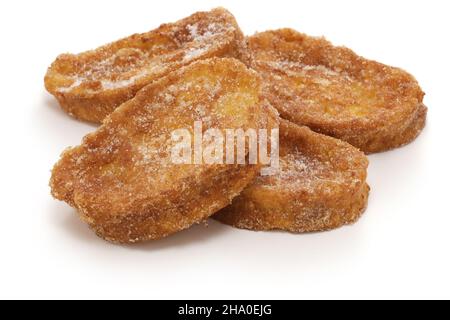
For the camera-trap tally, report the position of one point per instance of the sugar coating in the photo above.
(92, 84)
(128, 65)
(121, 178)
(333, 91)
(321, 185)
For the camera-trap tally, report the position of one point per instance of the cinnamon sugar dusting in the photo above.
(91, 85)
(336, 92)
(121, 178)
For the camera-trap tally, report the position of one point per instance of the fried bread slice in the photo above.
(333, 91)
(122, 178)
(321, 185)
(90, 85)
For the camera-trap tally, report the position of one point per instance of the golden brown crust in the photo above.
(321, 186)
(122, 179)
(90, 85)
(333, 91)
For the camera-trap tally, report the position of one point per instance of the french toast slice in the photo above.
(122, 179)
(321, 185)
(90, 85)
(333, 91)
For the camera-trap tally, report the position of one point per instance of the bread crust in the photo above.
(90, 85)
(121, 178)
(333, 91)
(321, 186)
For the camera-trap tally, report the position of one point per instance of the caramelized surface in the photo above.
(122, 179)
(333, 91)
(321, 185)
(91, 85)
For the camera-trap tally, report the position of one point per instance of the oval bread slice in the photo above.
(90, 85)
(333, 91)
(321, 186)
(122, 179)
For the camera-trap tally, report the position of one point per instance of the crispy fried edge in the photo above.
(94, 107)
(117, 229)
(343, 207)
(378, 135)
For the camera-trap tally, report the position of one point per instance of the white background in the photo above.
(400, 248)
